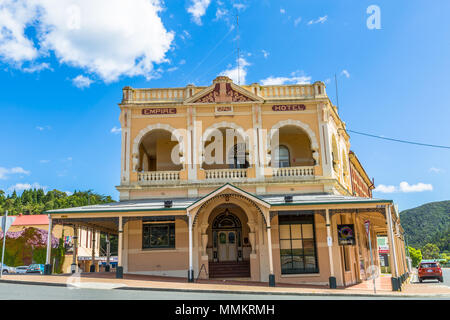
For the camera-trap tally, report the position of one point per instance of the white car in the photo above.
(6, 269)
(21, 269)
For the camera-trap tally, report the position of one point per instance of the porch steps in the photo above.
(229, 269)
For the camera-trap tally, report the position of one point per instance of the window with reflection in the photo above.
(282, 158)
(297, 244)
(158, 235)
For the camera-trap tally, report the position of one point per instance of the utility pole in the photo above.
(4, 240)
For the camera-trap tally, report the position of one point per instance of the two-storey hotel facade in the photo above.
(242, 182)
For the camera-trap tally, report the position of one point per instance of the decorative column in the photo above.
(48, 266)
(74, 266)
(191, 269)
(92, 267)
(269, 245)
(392, 251)
(254, 263)
(204, 257)
(108, 253)
(119, 268)
(332, 278)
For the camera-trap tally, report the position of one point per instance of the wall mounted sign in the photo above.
(224, 109)
(346, 234)
(289, 107)
(150, 111)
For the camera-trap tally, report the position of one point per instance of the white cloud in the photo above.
(81, 81)
(37, 68)
(385, 189)
(295, 78)
(297, 21)
(108, 38)
(198, 10)
(239, 6)
(41, 128)
(436, 170)
(185, 35)
(182, 62)
(282, 11)
(265, 53)
(44, 161)
(116, 130)
(172, 69)
(404, 187)
(25, 186)
(235, 74)
(345, 73)
(4, 172)
(418, 187)
(319, 20)
(69, 193)
(221, 12)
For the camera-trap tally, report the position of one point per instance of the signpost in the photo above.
(6, 222)
(367, 227)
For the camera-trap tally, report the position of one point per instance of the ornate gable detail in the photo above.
(224, 91)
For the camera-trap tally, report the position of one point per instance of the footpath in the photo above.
(141, 282)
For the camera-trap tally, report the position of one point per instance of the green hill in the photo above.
(428, 223)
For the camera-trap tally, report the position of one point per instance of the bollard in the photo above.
(271, 280)
(119, 272)
(332, 281)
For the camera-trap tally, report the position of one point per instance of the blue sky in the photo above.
(62, 67)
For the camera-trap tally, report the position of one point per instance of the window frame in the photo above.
(171, 233)
(291, 220)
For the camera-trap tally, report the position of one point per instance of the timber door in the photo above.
(227, 246)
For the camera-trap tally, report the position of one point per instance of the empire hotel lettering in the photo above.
(150, 111)
(290, 107)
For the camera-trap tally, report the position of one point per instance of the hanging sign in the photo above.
(346, 234)
(367, 226)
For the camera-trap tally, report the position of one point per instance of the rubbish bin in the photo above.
(73, 268)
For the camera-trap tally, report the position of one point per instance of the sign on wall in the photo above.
(150, 111)
(224, 109)
(346, 234)
(289, 107)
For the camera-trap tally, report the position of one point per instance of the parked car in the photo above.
(35, 268)
(21, 269)
(6, 269)
(430, 270)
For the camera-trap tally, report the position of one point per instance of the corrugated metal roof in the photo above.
(183, 203)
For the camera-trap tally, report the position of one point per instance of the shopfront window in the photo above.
(297, 244)
(158, 235)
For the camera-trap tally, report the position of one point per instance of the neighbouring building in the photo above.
(242, 181)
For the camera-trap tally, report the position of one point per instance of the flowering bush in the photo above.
(28, 245)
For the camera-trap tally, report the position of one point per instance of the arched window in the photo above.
(283, 157)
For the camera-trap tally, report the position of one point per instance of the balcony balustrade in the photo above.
(294, 172)
(158, 176)
(226, 174)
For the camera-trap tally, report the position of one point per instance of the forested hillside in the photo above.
(429, 223)
(36, 201)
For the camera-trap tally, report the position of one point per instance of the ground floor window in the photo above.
(298, 244)
(158, 235)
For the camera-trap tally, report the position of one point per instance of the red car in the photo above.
(430, 270)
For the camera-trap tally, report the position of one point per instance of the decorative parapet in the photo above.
(294, 172)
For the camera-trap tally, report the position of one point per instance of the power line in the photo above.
(398, 140)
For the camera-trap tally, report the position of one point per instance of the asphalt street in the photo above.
(445, 274)
(10, 291)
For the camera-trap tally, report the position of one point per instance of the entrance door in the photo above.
(227, 247)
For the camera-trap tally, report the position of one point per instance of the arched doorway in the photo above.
(229, 245)
(227, 237)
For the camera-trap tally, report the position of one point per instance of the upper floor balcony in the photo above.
(225, 155)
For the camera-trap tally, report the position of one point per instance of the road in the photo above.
(10, 291)
(445, 274)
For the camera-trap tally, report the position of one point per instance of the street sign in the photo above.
(6, 222)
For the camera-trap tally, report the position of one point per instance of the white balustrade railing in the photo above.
(226, 173)
(293, 172)
(149, 176)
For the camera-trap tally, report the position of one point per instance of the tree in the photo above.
(430, 251)
(416, 256)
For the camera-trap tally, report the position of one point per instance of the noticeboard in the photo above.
(346, 234)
